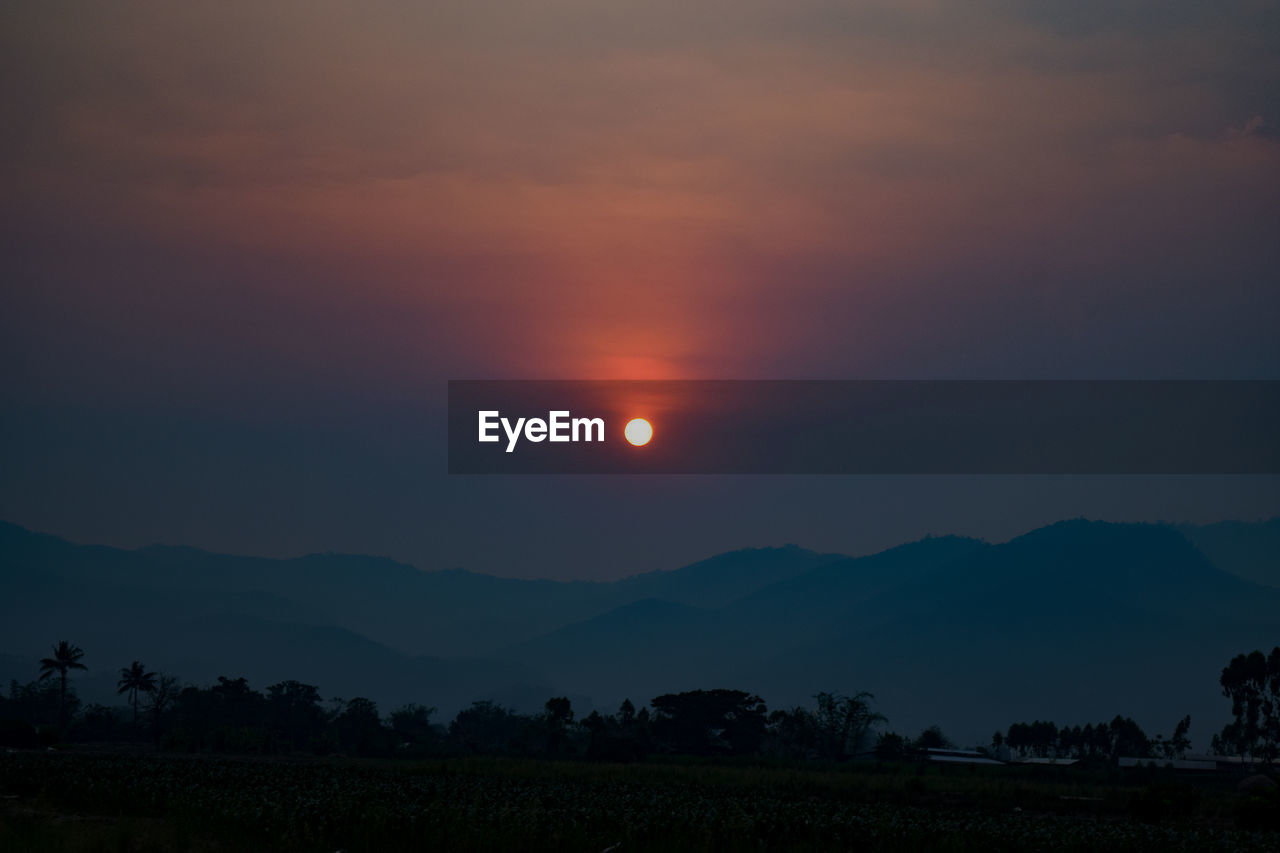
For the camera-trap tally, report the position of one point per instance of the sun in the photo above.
(638, 431)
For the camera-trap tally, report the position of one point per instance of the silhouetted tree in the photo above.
(96, 723)
(795, 733)
(1127, 738)
(161, 701)
(359, 729)
(1040, 738)
(557, 715)
(65, 657)
(1252, 683)
(932, 738)
(559, 709)
(837, 728)
(1177, 745)
(592, 722)
(295, 716)
(411, 725)
(486, 727)
(703, 722)
(892, 747)
(134, 679)
(621, 737)
(1043, 739)
(238, 709)
(843, 723)
(634, 728)
(37, 702)
(1071, 742)
(228, 716)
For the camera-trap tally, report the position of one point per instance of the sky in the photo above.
(245, 246)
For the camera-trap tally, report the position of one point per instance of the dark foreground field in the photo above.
(82, 802)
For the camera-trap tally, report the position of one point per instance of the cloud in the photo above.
(1256, 127)
(588, 182)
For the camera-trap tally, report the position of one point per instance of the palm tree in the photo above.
(135, 678)
(65, 657)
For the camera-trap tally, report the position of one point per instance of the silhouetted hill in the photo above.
(392, 630)
(1075, 621)
(638, 647)
(719, 580)
(1062, 623)
(119, 606)
(1250, 550)
(448, 613)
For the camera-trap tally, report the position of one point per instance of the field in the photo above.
(84, 802)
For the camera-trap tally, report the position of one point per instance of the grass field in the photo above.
(84, 802)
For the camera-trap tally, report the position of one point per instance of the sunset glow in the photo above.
(273, 233)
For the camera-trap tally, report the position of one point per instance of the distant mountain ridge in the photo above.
(448, 612)
(1248, 549)
(1074, 620)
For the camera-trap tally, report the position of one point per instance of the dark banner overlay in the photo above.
(864, 427)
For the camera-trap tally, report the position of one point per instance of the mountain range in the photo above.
(1074, 622)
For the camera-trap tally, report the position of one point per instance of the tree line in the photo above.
(292, 717)
(1251, 681)
(1121, 737)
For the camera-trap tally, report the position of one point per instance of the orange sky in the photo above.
(640, 189)
(227, 219)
